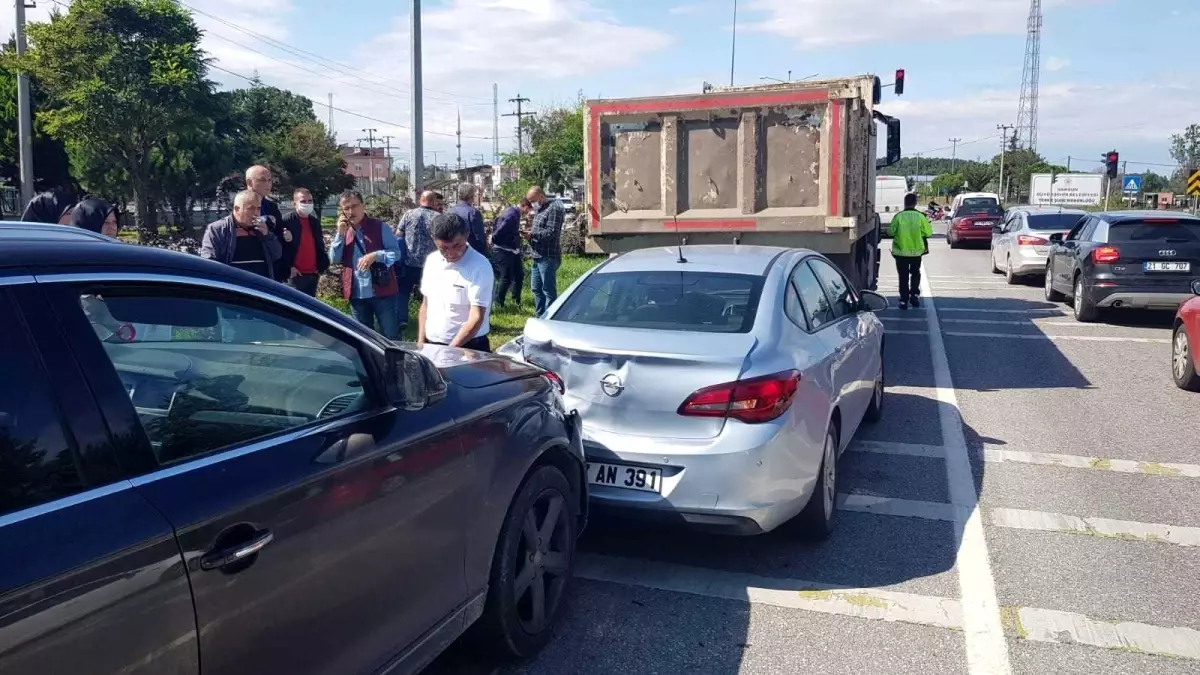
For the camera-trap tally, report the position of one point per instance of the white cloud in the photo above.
(1055, 64)
(693, 8)
(816, 24)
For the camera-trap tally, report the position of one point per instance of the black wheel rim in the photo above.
(543, 561)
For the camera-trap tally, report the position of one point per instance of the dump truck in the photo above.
(779, 165)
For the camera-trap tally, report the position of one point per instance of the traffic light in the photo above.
(899, 81)
(1110, 163)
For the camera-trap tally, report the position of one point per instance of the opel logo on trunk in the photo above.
(611, 384)
(1166, 253)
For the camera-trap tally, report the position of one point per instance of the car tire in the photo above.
(1051, 294)
(952, 242)
(995, 268)
(510, 626)
(819, 517)
(1183, 361)
(1085, 310)
(875, 408)
(1011, 278)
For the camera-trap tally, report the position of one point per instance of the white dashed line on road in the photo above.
(1069, 338)
(1037, 310)
(998, 456)
(903, 508)
(1024, 623)
(1105, 528)
(986, 647)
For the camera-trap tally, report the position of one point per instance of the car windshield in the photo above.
(1155, 229)
(1053, 221)
(973, 202)
(707, 302)
(989, 209)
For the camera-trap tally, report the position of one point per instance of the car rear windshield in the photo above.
(1054, 221)
(990, 210)
(1155, 229)
(706, 302)
(970, 202)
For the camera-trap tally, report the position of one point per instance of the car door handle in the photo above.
(226, 556)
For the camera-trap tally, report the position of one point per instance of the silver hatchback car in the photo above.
(717, 385)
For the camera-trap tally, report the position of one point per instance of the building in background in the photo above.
(359, 163)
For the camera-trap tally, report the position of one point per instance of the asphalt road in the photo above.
(1029, 504)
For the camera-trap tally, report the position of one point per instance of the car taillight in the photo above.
(1026, 240)
(555, 381)
(1106, 254)
(759, 399)
(960, 223)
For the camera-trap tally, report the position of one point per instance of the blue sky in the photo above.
(1115, 73)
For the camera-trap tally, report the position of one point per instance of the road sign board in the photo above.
(1193, 183)
(1132, 184)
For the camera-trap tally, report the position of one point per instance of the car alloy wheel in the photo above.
(1180, 355)
(543, 561)
(1051, 294)
(829, 466)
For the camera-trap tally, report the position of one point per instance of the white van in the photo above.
(974, 199)
(889, 198)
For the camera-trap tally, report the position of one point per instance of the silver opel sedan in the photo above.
(717, 385)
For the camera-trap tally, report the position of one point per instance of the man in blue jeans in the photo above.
(359, 244)
(545, 243)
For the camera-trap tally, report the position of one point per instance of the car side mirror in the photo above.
(872, 301)
(1056, 238)
(1196, 286)
(413, 382)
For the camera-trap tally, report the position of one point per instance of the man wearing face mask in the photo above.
(304, 257)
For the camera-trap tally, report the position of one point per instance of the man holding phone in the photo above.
(368, 251)
(243, 240)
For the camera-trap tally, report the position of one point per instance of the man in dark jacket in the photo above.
(259, 181)
(465, 209)
(305, 257)
(506, 252)
(243, 239)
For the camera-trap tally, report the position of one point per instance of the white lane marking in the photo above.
(1046, 625)
(1105, 528)
(1026, 623)
(987, 650)
(904, 318)
(903, 508)
(902, 449)
(1036, 310)
(1078, 338)
(866, 603)
(998, 456)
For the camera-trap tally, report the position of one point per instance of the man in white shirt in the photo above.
(456, 289)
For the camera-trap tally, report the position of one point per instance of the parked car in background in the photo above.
(1185, 343)
(973, 223)
(262, 483)
(718, 385)
(1124, 259)
(1021, 240)
(568, 205)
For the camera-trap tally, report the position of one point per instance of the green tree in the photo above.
(977, 175)
(1152, 182)
(306, 156)
(555, 153)
(122, 76)
(259, 113)
(51, 167)
(1185, 148)
(947, 184)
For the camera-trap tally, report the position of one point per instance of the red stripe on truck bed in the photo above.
(835, 158)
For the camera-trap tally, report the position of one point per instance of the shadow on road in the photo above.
(623, 628)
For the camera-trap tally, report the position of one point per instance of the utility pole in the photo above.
(435, 154)
(495, 124)
(418, 151)
(480, 158)
(954, 154)
(388, 153)
(1003, 149)
(371, 155)
(733, 47)
(331, 114)
(918, 164)
(520, 118)
(24, 115)
(458, 144)
(1068, 164)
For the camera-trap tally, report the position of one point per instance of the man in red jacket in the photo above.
(304, 258)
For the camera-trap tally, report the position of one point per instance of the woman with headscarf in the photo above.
(50, 207)
(96, 215)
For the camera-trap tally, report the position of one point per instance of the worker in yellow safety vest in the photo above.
(910, 231)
